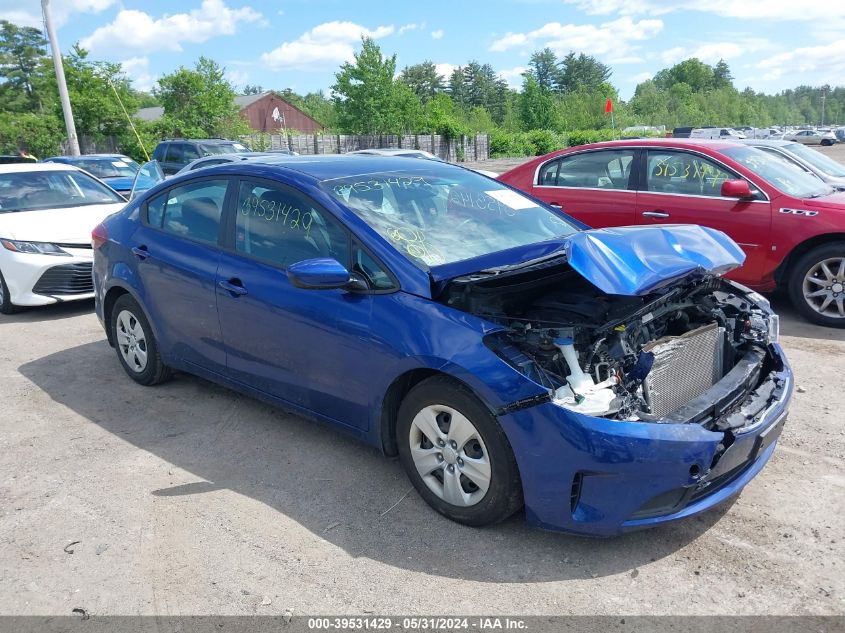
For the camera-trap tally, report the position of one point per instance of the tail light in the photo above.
(99, 236)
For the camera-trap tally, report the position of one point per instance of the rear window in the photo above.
(33, 190)
(209, 149)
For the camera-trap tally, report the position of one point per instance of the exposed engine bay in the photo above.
(650, 358)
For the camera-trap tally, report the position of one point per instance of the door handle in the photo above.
(655, 214)
(556, 206)
(141, 252)
(233, 287)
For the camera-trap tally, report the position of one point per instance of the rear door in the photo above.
(594, 186)
(681, 187)
(177, 253)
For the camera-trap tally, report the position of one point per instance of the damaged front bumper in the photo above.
(598, 476)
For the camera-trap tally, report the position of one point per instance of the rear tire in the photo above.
(6, 305)
(134, 341)
(816, 285)
(456, 454)
(827, 143)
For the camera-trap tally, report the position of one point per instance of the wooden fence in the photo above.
(464, 148)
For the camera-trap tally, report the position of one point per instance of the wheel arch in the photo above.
(395, 394)
(782, 272)
(115, 292)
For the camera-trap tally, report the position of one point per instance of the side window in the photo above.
(684, 174)
(548, 174)
(372, 271)
(281, 226)
(174, 153)
(159, 152)
(189, 153)
(192, 210)
(606, 169)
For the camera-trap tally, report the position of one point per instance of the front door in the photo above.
(308, 347)
(593, 186)
(682, 187)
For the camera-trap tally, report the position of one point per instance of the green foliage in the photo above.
(545, 141)
(582, 137)
(440, 116)
(581, 72)
(37, 133)
(423, 79)
(21, 56)
(477, 85)
(200, 103)
(536, 106)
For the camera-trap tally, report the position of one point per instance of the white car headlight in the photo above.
(35, 248)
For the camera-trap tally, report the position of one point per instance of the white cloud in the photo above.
(325, 46)
(712, 52)
(612, 40)
(748, 9)
(408, 27)
(138, 70)
(640, 77)
(436, 35)
(445, 70)
(513, 76)
(136, 30)
(826, 59)
(61, 9)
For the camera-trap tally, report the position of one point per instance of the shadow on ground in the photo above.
(793, 324)
(337, 488)
(52, 312)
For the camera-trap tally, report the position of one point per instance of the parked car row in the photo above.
(788, 221)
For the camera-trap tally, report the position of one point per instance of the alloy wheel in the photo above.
(824, 287)
(131, 341)
(450, 455)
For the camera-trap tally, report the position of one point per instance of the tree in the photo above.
(483, 88)
(693, 72)
(722, 77)
(21, 57)
(200, 102)
(544, 68)
(581, 71)
(423, 79)
(367, 98)
(536, 106)
(249, 89)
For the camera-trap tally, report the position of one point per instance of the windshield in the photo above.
(443, 216)
(108, 167)
(32, 190)
(790, 179)
(823, 163)
(209, 149)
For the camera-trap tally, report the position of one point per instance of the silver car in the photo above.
(811, 137)
(810, 160)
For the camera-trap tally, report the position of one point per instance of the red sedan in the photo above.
(790, 224)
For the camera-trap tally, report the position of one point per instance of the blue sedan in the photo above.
(116, 170)
(603, 380)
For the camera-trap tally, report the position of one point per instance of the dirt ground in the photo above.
(190, 499)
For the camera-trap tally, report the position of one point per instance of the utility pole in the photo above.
(73, 141)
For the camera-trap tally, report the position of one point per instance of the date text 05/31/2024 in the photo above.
(431, 623)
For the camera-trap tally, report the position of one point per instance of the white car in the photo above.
(47, 213)
(811, 137)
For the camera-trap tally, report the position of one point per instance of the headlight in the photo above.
(34, 248)
(759, 299)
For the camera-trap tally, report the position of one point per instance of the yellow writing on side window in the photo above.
(274, 211)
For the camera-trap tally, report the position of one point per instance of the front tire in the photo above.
(456, 454)
(6, 305)
(135, 343)
(817, 285)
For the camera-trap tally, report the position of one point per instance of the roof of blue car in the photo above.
(325, 167)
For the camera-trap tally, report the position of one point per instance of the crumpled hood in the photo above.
(71, 225)
(636, 260)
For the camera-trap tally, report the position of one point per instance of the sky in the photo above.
(770, 45)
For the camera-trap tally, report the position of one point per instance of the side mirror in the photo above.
(318, 274)
(736, 189)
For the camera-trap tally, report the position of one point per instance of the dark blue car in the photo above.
(116, 170)
(606, 380)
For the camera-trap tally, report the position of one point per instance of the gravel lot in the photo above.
(190, 499)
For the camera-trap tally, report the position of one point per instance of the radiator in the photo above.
(684, 367)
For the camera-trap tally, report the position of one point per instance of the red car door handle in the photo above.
(655, 214)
